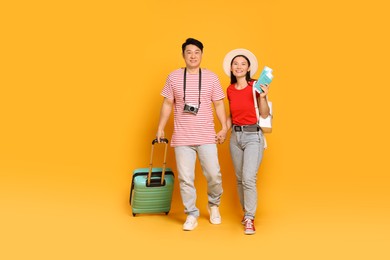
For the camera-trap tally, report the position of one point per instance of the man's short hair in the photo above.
(193, 42)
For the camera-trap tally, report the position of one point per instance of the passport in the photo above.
(264, 78)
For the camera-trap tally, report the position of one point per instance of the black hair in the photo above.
(233, 78)
(193, 42)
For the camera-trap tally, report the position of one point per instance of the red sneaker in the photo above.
(249, 228)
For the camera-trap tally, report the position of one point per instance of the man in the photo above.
(191, 91)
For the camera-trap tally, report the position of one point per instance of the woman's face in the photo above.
(240, 67)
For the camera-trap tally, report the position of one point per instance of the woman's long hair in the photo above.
(233, 78)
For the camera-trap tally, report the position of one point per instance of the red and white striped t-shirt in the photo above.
(192, 129)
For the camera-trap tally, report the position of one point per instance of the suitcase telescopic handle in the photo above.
(165, 141)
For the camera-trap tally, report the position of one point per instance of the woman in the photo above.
(247, 140)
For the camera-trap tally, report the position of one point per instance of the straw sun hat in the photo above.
(233, 53)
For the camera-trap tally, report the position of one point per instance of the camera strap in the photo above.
(184, 84)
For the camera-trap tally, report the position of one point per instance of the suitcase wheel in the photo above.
(133, 214)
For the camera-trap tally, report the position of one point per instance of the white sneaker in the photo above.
(215, 217)
(190, 224)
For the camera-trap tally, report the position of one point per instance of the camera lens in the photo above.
(192, 108)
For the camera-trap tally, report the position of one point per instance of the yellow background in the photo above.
(80, 86)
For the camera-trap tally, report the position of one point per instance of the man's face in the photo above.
(192, 56)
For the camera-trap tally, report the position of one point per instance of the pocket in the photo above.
(261, 137)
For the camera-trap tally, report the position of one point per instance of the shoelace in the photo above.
(190, 221)
(248, 223)
(215, 213)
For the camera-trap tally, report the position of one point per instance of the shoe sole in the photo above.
(215, 222)
(250, 232)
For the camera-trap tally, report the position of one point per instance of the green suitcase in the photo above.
(152, 188)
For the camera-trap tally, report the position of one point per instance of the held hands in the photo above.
(221, 136)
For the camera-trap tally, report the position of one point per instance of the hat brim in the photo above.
(230, 55)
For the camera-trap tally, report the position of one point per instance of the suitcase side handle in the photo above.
(165, 141)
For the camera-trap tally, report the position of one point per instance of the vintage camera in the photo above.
(191, 109)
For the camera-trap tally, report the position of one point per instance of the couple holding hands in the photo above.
(191, 92)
